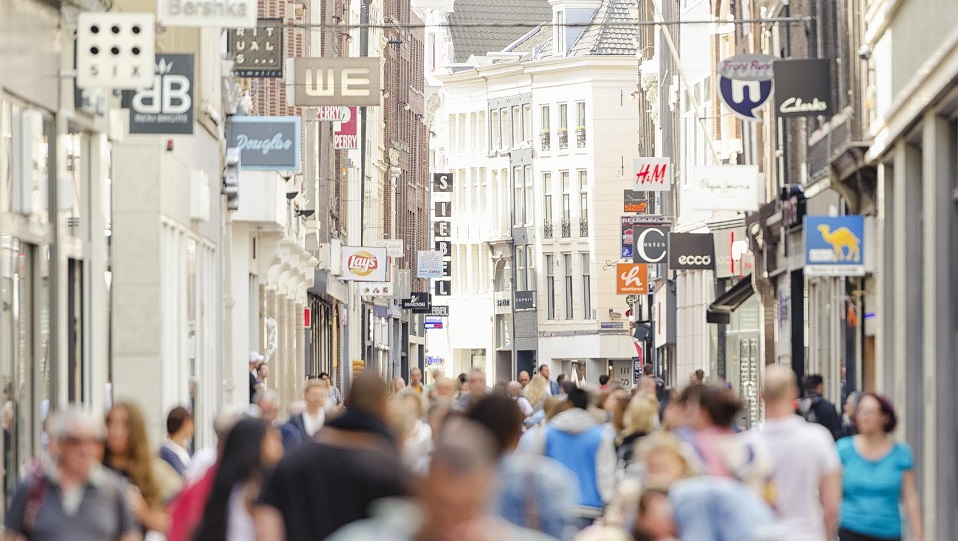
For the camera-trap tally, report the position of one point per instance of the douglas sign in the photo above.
(269, 143)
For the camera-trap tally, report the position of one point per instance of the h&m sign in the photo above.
(315, 82)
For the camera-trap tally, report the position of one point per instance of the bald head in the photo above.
(514, 388)
(780, 384)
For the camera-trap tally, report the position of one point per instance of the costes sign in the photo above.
(268, 143)
(364, 264)
(803, 87)
(691, 251)
(651, 244)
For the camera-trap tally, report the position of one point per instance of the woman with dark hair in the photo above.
(252, 447)
(879, 477)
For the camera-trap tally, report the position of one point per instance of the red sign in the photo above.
(307, 318)
(346, 129)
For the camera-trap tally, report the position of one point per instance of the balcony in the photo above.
(547, 229)
(546, 140)
(583, 228)
(566, 229)
(563, 138)
(580, 137)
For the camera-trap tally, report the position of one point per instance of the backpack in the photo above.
(806, 408)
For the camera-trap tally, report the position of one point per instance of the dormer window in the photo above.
(558, 36)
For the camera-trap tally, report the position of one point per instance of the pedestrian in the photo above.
(815, 409)
(604, 382)
(848, 413)
(579, 443)
(697, 377)
(524, 379)
(514, 390)
(253, 447)
(179, 432)
(127, 452)
(397, 384)
(254, 384)
(302, 426)
(477, 389)
(452, 501)
(267, 404)
(262, 374)
(334, 398)
(533, 491)
(332, 480)
(415, 379)
(445, 389)
(661, 389)
(638, 421)
(806, 469)
(545, 372)
(413, 435)
(70, 495)
(536, 393)
(878, 481)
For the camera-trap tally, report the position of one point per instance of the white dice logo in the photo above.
(115, 50)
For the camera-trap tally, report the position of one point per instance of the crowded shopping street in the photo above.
(479, 270)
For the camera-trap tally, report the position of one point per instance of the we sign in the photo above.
(651, 174)
(315, 82)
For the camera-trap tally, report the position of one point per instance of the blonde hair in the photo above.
(403, 411)
(639, 416)
(314, 383)
(536, 389)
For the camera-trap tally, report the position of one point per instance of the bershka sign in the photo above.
(746, 83)
(364, 264)
(314, 82)
(267, 143)
(651, 244)
(651, 174)
(803, 87)
(167, 106)
(442, 184)
(214, 13)
(258, 52)
(691, 251)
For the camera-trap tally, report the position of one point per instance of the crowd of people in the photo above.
(456, 459)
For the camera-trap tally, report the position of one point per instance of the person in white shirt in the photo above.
(179, 429)
(302, 426)
(514, 388)
(807, 470)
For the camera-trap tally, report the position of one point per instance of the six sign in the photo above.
(115, 50)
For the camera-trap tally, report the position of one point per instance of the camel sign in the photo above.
(834, 245)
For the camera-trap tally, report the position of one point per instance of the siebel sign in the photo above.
(364, 264)
(442, 229)
(314, 82)
(691, 251)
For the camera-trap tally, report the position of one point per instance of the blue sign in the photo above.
(834, 245)
(267, 143)
(745, 83)
(433, 322)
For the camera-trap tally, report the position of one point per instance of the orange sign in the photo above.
(631, 279)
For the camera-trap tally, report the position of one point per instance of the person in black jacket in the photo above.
(815, 409)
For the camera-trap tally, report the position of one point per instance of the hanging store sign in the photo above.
(442, 185)
(420, 302)
(364, 264)
(732, 253)
(834, 245)
(746, 83)
(212, 13)
(258, 51)
(525, 300)
(628, 222)
(633, 201)
(803, 87)
(346, 129)
(725, 187)
(651, 244)
(377, 289)
(394, 247)
(691, 251)
(651, 174)
(115, 50)
(631, 279)
(428, 264)
(167, 106)
(314, 82)
(268, 143)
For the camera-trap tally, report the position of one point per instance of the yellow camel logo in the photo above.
(840, 239)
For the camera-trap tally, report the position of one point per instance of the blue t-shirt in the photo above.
(871, 489)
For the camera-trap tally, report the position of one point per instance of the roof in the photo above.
(471, 40)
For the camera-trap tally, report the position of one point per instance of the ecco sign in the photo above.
(651, 244)
(314, 82)
(691, 251)
(214, 13)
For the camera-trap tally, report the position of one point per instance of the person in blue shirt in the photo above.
(878, 475)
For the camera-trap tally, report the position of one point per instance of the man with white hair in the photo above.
(254, 384)
(514, 389)
(71, 496)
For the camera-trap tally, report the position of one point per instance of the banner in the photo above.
(351, 81)
(364, 264)
(428, 264)
(651, 174)
(631, 279)
(746, 83)
(258, 51)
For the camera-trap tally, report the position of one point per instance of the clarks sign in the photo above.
(213, 13)
(314, 82)
(803, 87)
(270, 143)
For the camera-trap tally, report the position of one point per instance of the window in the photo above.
(519, 211)
(558, 35)
(483, 189)
(463, 132)
(527, 202)
(531, 268)
(563, 130)
(586, 288)
(545, 133)
(516, 126)
(567, 260)
(583, 204)
(506, 128)
(520, 268)
(526, 122)
(452, 132)
(550, 287)
(481, 130)
(580, 124)
(547, 205)
(566, 211)
(476, 203)
(474, 131)
(496, 133)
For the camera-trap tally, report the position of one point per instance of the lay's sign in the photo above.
(364, 264)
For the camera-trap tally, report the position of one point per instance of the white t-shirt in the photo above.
(313, 424)
(239, 525)
(525, 406)
(801, 454)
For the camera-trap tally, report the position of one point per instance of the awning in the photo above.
(721, 310)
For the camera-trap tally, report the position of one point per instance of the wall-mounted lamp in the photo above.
(291, 195)
(305, 212)
(385, 93)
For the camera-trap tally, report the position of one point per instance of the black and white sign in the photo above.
(439, 311)
(803, 87)
(267, 143)
(258, 52)
(442, 184)
(420, 302)
(525, 300)
(313, 82)
(650, 244)
(115, 50)
(691, 251)
(167, 106)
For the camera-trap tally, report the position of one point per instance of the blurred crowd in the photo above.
(530, 459)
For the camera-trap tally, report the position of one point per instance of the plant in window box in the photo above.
(546, 139)
(580, 136)
(563, 137)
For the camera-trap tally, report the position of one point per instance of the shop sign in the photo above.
(525, 300)
(803, 87)
(611, 324)
(377, 289)
(394, 247)
(651, 174)
(632, 201)
(420, 302)
(629, 222)
(428, 264)
(746, 83)
(691, 251)
(167, 106)
(345, 125)
(433, 323)
(114, 50)
(651, 244)
(725, 187)
(732, 253)
(270, 143)
(258, 51)
(364, 263)
(351, 81)
(439, 311)
(834, 245)
(442, 186)
(212, 13)
(631, 279)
